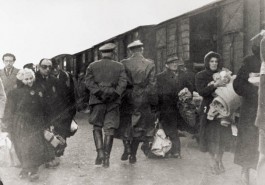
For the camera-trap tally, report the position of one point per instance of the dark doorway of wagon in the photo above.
(203, 36)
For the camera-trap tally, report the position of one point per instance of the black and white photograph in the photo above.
(120, 92)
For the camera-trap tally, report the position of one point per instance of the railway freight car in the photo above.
(225, 26)
(144, 33)
(66, 62)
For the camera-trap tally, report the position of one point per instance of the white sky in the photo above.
(35, 29)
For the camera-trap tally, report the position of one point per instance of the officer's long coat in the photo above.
(9, 80)
(107, 76)
(137, 119)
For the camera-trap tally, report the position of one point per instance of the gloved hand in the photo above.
(112, 97)
(99, 95)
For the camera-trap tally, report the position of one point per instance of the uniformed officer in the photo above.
(106, 80)
(137, 120)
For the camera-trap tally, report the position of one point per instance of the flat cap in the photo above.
(136, 43)
(107, 47)
(175, 59)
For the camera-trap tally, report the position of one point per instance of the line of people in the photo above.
(37, 101)
(126, 98)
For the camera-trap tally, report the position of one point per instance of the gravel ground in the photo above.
(77, 166)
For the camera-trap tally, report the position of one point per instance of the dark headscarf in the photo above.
(207, 58)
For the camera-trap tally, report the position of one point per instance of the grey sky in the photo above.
(35, 29)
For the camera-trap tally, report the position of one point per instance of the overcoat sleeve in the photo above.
(151, 85)
(241, 85)
(2, 99)
(10, 109)
(202, 85)
(261, 101)
(90, 81)
(122, 82)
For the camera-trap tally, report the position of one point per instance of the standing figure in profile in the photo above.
(246, 154)
(24, 118)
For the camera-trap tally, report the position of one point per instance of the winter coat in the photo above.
(25, 121)
(9, 81)
(107, 76)
(246, 153)
(137, 119)
(168, 87)
(2, 99)
(67, 107)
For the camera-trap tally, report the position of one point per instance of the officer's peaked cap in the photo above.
(136, 43)
(107, 47)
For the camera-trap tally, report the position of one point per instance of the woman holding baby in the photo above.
(214, 137)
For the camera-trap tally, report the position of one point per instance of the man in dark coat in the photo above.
(9, 72)
(137, 120)
(246, 154)
(106, 80)
(260, 123)
(169, 83)
(49, 86)
(66, 99)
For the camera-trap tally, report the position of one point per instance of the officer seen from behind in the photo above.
(106, 80)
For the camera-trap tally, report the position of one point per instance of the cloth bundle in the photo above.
(187, 107)
(161, 144)
(226, 101)
(8, 156)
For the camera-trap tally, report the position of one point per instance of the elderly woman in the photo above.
(25, 123)
(213, 136)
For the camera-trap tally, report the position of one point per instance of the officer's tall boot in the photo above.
(134, 147)
(127, 150)
(99, 146)
(108, 141)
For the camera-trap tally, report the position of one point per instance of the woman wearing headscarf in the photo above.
(213, 136)
(24, 118)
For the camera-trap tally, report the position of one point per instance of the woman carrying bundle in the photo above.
(214, 138)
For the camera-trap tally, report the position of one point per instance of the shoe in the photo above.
(132, 159)
(176, 155)
(33, 176)
(108, 141)
(23, 174)
(52, 164)
(127, 150)
(98, 139)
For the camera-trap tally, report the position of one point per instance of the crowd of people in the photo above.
(127, 101)
(34, 102)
